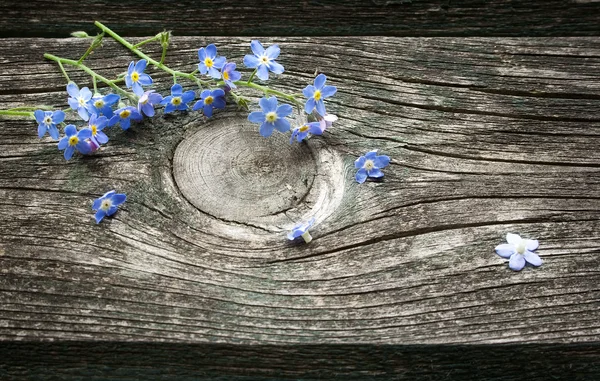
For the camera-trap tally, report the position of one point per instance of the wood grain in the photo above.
(486, 135)
(58, 18)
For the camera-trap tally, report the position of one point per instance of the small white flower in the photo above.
(519, 250)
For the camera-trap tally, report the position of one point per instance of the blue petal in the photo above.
(360, 162)
(257, 47)
(140, 66)
(361, 175)
(39, 116)
(371, 155)
(211, 51)
(100, 215)
(166, 100)
(320, 81)
(202, 67)
(218, 93)
(101, 137)
(170, 108)
(328, 91)
(73, 103)
(516, 262)
(219, 102)
(86, 133)
(70, 130)
(505, 250)
(276, 67)
(83, 147)
(251, 61)
(97, 203)
(321, 107)
(111, 99)
(309, 91)
(131, 67)
(375, 172)
(188, 96)
(83, 113)
(73, 90)
(69, 152)
(128, 81)
(532, 258)
(119, 198)
(213, 72)
(294, 134)
(53, 131)
(114, 120)
(284, 110)
(282, 125)
(176, 90)
(235, 76)
(309, 106)
(137, 89)
(198, 105)
(111, 210)
(256, 117)
(148, 109)
(125, 123)
(42, 130)
(86, 94)
(63, 143)
(266, 129)
(263, 72)
(272, 51)
(201, 54)
(219, 62)
(207, 110)
(145, 80)
(381, 161)
(58, 116)
(531, 244)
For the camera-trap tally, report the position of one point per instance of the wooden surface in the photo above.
(58, 18)
(487, 136)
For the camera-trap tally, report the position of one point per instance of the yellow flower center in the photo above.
(317, 95)
(135, 76)
(48, 120)
(176, 101)
(94, 129)
(271, 117)
(264, 59)
(225, 75)
(125, 114)
(303, 128)
(208, 62)
(99, 103)
(521, 247)
(106, 204)
(73, 140)
(209, 100)
(369, 165)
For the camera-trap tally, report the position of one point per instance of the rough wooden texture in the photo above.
(486, 136)
(58, 18)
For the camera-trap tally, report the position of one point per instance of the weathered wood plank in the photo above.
(58, 18)
(487, 136)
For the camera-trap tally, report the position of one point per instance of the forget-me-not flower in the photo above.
(136, 78)
(147, 101)
(124, 115)
(96, 125)
(79, 100)
(107, 204)
(519, 250)
(75, 140)
(102, 105)
(272, 116)
(263, 60)
(209, 100)
(316, 93)
(178, 100)
(370, 165)
(301, 230)
(230, 75)
(47, 122)
(300, 133)
(209, 62)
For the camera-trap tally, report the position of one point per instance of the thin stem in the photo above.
(252, 76)
(16, 113)
(81, 66)
(141, 54)
(146, 41)
(163, 55)
(95, 85)
(63, 71)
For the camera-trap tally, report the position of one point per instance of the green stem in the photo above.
(16, 113)
(252, 76)
(81, 66)
(95, 85)
(141, 54)
(63, 71)
(163, 55)
(266, 91)
(146, 41)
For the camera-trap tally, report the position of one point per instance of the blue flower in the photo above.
(107, 204)
(75, 140)
(136, 78)
(96, 125)
(271, 116)
(209, 100)
(102, 105)
(124, 116)
(300, 133)
(147, 102)
(316, 94)
(263, 59)
(370, 165)
(230, 75)
(519, 250)
(47, 122)
(178, 100)
(301, 230)
(209, 62)
(79, 100)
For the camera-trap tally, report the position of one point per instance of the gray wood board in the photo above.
(487, 136)
(58, 18)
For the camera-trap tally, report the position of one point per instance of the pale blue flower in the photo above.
(178, 100)
(271, 117)
(79, 100)
(209, 100)
(107, 204)
(136, 78)
(75, 140)
(301, 230)
(124, 115)
(96, 125)
(316, 94)
(230, 75)
(147, 101)
(519, 251)
(263, 60)
(370, 166)
(102, 105)
(47, 122)
(210, 62)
